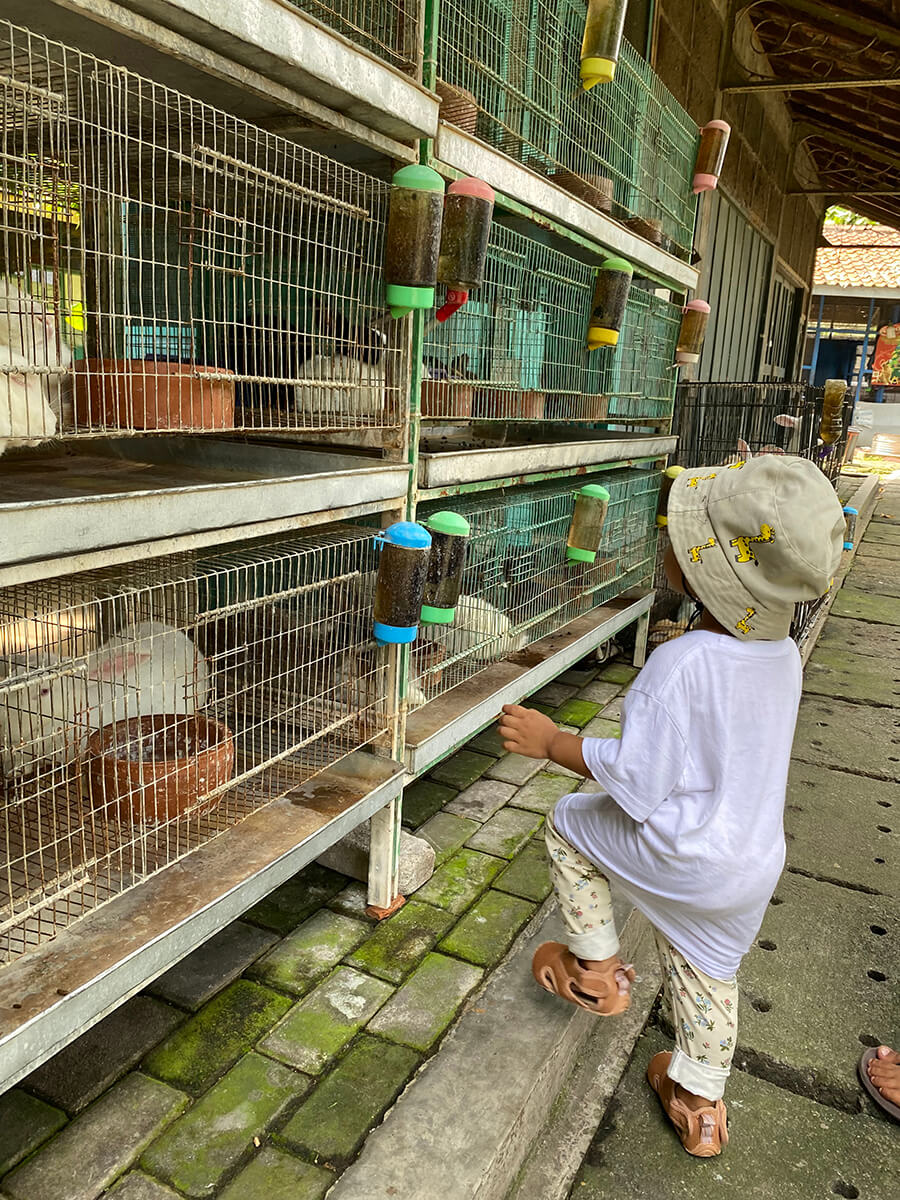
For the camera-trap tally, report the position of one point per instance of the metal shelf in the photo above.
(117, 499)
(441, 726)
(456, 152)
(57, 991)
(506, 465)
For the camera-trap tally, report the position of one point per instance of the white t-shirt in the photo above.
(689, 824)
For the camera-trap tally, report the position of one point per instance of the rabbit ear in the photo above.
(116, 664)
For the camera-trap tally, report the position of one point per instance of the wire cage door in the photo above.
(147, 709)
(518, 586)
(167, 267)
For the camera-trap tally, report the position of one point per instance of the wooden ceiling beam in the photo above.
(807, 85)
(845, 18)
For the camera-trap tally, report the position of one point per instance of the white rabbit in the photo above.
(148, 670)
(37, 702)
(29, 338)
(346, 369)
(479, 629)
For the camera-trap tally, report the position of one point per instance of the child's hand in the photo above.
(527, 731)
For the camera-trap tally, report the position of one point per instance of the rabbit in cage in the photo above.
(152, 669)
(30, 403)
(480, 629)
(348, 355)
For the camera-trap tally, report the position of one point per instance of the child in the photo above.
(687, 815)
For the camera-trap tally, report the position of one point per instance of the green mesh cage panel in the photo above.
(388, 28)
(627, 147)
(518, 586)
(517, 349)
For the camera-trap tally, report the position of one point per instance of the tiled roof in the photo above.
(859, 257)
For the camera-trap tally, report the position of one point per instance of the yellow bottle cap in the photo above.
(597, 70)
(601, 337)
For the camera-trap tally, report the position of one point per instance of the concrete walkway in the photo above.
(821, 983)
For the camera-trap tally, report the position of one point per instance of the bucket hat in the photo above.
(754, 538)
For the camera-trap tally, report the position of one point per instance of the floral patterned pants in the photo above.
(703, 1010)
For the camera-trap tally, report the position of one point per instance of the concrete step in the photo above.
(464, 1127)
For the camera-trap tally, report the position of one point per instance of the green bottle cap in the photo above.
(617, 264)
(447, 522)
(596, 490)
(574, 554)
(402, 299)
(423, 179)
(436, 616)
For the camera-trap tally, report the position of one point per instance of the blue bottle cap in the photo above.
(407, 534)
(394, 635)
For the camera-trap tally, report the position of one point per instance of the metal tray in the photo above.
(462, 464)
(123, 491)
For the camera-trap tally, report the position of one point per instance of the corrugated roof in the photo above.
(859, 257)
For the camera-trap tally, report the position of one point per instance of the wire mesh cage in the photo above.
(627, 148)
(517, 350)
(388, 28)
(518, 586)
(146, 709)
(724, 422)
(165, 266)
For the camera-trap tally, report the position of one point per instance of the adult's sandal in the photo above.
(703, 1131)
(892, 1110)
(604, 993)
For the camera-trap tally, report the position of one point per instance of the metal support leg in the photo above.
(642, 629)
(384, 860)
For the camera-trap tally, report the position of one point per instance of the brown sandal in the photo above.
(703, 1131)
(557, 970)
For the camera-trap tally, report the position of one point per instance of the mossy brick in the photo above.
(460, 881)
(488, 929)
(353, 901)
(867, 606)
(209, 1141)
(138, 1186)
(882, 579)
(575, 712)
(578, 676)
(516, 769)
(599, 692)
(856, 677)
(315, 1031)
(423, 799)
(527, 875)
(215, 964)
(284, 908)
(602, 727)
(861, 637)
(505, 834)
(881, 531)
(401, 942)
(481, 799)
(274, 1175)
(332, 1123)
(540, 794)
(446, 833)
(85, 1068)
(619, 673)
(25, 1122)
(613, 710)
(554, 693)
(419, 1012)
(310, 952)
(100, 1144)
(539, 706)
(461, 769)
(488, 741)
(195, 1055)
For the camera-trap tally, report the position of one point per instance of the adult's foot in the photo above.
(884, 1072)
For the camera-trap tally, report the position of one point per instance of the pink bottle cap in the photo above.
(697, 306)
(704, 183)
(723, 125)
(470, 186)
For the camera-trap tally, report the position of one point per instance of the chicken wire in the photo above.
(388, 28)
(517, 349)
(518, 586)
(626, 147)
(166, 266)
(146, 709)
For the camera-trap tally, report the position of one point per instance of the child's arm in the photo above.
(529, 732)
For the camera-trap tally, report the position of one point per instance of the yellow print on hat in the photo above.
(744, 545)
(695, 551)
(737, 466)
(743, 625)
(699, 479)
